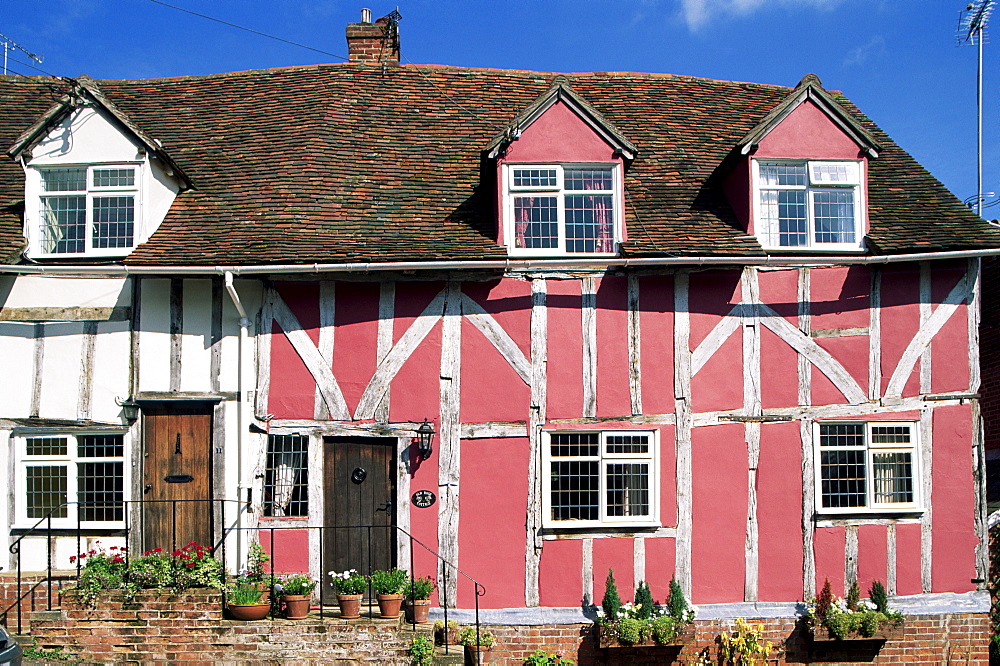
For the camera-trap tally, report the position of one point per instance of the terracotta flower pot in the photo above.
(388, 605)
(446, 636)
(350, 606)
(484, 654)
(249, 612)
(296, 606)
(417, 610)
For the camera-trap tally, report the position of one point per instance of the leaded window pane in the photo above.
(783, 174)
(114, 219)
(114, 178)
(890, 434)
(46, 446)
(100, 446)
(627, 489)
(792, 221)
(842, 434)
(286, 478)
(64, 180)
(843, 478)
(64, 224)
(536, 222)
(101, 491)
(893, 477)
(575, 445)
(46, 487)
(627, 444)
(833, 213)
(588, 179)
(574, 490)
(589, 223)
(535, 178)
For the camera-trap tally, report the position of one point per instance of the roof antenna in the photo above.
(10, 45)
(971, 27)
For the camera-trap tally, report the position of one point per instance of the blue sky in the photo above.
(898, 60)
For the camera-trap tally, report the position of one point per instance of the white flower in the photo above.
(600, 612)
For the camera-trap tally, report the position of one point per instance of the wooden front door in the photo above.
(358, 475)
(177, 475)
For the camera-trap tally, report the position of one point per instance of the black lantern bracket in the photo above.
(425, 438)
(130, 409)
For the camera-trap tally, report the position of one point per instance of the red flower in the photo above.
(190, 564)
(83, 555)
(72, 558)
(176, 553)
(113, 548)
(157, 550)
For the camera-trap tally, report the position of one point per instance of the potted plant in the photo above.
(642, 623)
(447, 636)
(831, 618)
(245, 600)
(477, 648)
(388, 587)
(418, 598)
(350, 585)
(296, 592)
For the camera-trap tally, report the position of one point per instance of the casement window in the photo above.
(867, 467)
(600, 478)
(87, 210)
(815, 205)
(286, 477)
(561, 209)
(73, 477)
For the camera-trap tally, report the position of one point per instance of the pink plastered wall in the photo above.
(293, 388)
(613, 397)
(491, 539)
(719, 513)
(779, 361)
(712, 296)
(354, 355)
(900, 321)
(565, 349)
(656, 317)
(491, 388)
(779, 513)
(953, 535)
(560, 574)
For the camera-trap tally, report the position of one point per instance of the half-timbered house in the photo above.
(718, 331)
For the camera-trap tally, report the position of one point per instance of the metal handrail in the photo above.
(218, 549)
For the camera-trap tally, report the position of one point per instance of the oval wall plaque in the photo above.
(423, 499)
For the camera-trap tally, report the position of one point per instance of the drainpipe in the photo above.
(241, 412)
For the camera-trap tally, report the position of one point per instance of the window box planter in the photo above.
(608, 640)
(888, 632)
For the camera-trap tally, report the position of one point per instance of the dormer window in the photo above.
(553, 209)
(87, 209)
(808, 204)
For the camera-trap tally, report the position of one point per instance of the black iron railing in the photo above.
(362, 538)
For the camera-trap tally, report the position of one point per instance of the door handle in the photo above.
(147, 488)
(387, 507)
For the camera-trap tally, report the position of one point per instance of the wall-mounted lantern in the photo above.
(425, 435)
(130, 409)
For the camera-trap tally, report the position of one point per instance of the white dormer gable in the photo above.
(91, 188)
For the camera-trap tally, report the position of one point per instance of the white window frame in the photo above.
(35, 196)
(70, 460)
(559, 192)
(652, 458)
(871, 449)
(767, 230)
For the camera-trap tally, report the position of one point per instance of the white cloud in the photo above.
(697, 13)
(873, 47)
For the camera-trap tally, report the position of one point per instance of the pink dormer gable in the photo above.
(801, 180)
(560, 170)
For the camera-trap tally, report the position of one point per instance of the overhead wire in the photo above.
(21, 62)
(251, 30)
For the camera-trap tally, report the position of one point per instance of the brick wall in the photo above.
(35, 597)
(927, 639)
(190, 628)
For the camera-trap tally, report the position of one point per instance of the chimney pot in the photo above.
(366, 16)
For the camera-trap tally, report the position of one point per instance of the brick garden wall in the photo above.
(36, 597)
(190, 628)
(927, 639)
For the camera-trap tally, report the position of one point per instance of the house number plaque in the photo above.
(423, 499)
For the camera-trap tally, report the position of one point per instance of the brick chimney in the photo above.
(375, 43)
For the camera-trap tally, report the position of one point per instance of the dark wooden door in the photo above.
(177, 475)
(358, 475)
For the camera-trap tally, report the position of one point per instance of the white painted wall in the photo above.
(16, 350)
(154, 335)
(34, 291)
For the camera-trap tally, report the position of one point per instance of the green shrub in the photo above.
(468, 637)
(665, 629)
(853, 596)
(391, 581)
(419, 588)
(297, 584)
(643, 601)
(878, 596)
(153, 568)
(612, 603)
(630, 631)
(677, 606)
(422, 650)
(542, 658)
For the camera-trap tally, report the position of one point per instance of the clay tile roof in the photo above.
(348, 162)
